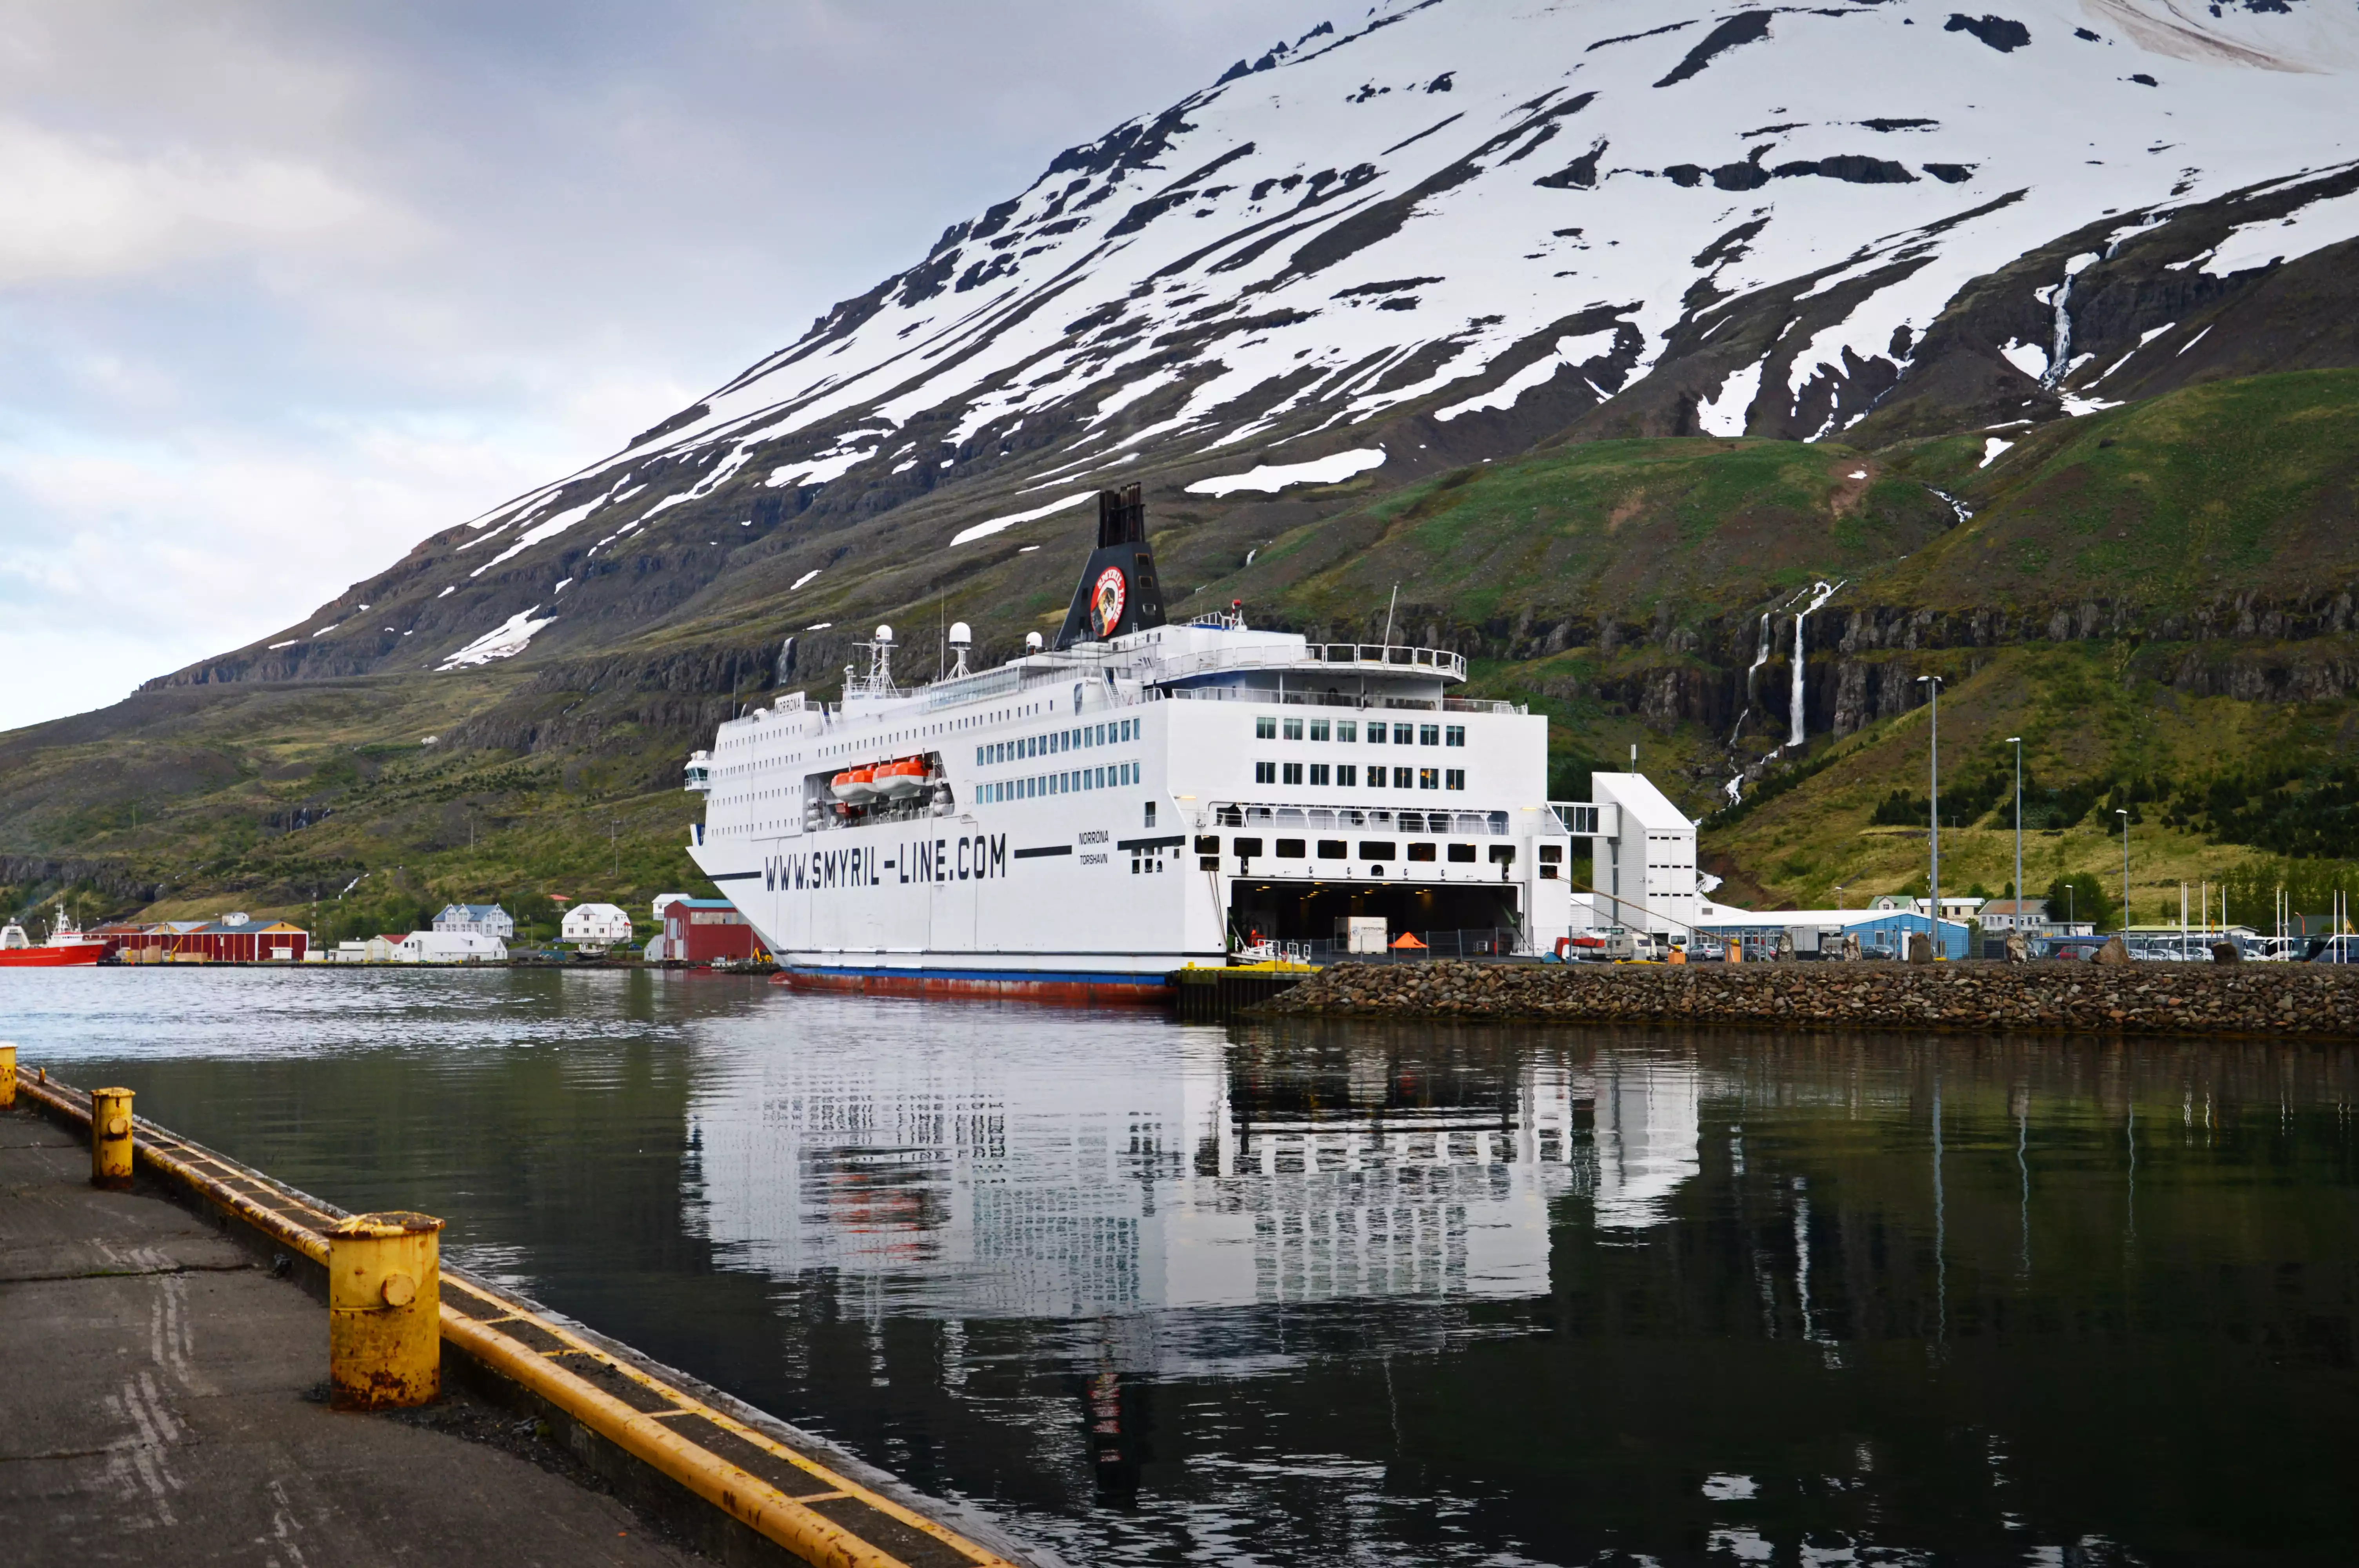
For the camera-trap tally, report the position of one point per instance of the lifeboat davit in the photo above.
(856, 786)
(903, 780)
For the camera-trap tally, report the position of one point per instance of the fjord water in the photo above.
(1310, 1294)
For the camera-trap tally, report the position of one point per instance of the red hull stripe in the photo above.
(1068, 988)
(47, 958)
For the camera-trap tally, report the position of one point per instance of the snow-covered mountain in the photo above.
(1463, 225)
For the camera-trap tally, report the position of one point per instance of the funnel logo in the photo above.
(1106, 600)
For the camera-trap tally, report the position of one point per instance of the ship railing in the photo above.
(1356, 819)
(1391, 658)
(1339, 699)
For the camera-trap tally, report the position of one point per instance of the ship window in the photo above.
(1376, 733)
(1208, 843)
(1294, 773)
(1266, 728)
(1347, 774)
(1294, 728)
(1289, 849)
(1347, 728)
(1454, 736)
(1246, 849)
(1265, 773)
(1455, 778)
(1319, 774)
(1429, 778)
(1318, 729)
(1463, 854)
(1429, 734)
(1375, 849)
(1420, 851)
(1402, 734)
(1403, 777)
(1333, 849)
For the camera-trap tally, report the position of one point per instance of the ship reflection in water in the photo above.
(1302, 1295)
(995, 1178)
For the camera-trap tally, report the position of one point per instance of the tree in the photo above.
(2082, 897)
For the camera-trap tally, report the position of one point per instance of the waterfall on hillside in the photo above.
(1753, 670)
(1819, 593)
(2059, 353)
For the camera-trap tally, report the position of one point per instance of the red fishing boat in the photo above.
(66, 945)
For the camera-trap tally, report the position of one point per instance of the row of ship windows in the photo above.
(1115, 776)
(1370, 849)
(1049, 742)
(1270, 727)
(1346, 775)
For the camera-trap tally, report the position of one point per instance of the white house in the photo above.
(451, 948)
(602, 923)
(2028, 915)
(1958, 907)
(480, 919)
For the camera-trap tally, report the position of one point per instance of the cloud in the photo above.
(284, 288)
(75, 209)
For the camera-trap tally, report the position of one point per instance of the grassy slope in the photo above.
(1606, 528)
(2239, 484)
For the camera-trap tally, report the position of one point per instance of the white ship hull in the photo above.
(1095, 818)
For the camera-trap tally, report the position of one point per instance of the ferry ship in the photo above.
(1141, 797)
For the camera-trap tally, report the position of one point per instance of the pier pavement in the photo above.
(158, 1389)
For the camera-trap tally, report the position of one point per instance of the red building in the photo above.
(699, 930)
(236, 940)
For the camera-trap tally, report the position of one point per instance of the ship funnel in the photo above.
(1118, 592)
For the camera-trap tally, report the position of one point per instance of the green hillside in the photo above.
(2159, 598)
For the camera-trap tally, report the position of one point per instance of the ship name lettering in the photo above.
(971, 858)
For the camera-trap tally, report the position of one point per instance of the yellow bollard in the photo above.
(7, 1074)
(110, 1139)
(384, 1311)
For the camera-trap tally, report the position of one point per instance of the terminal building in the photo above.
(1645, 879)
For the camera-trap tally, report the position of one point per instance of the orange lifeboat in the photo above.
(902, 780)
(855, 786)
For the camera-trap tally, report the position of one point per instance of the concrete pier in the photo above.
(164, 1403)
(165, 1397)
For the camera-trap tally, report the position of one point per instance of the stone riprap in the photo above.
(2297, 1001)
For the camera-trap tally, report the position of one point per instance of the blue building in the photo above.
(1882, 933)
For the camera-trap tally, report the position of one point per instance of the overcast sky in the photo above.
(286, 288)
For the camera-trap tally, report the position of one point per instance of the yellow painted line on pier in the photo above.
(837, 1524)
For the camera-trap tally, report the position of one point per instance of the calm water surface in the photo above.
(1157, 1293)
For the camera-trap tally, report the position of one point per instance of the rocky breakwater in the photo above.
(2295, 1000)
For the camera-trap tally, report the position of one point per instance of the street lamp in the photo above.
(1935, 758)
(2123, 812)
(2017, 742)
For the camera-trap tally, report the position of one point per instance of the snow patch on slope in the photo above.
(1271, 477)
(985, 529)
(504, 641)
(1724, 414)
